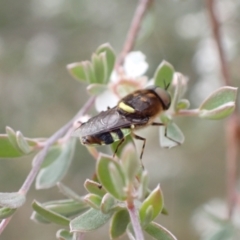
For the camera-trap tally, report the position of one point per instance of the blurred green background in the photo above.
(37, 95)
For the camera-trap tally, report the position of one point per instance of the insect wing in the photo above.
(105, 121)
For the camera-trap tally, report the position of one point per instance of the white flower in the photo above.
(121, 83)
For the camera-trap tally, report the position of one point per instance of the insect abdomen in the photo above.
(106, 138)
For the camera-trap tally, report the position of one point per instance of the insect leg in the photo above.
(165, 131)
(158, 124)
(119, 144)
(143, 146)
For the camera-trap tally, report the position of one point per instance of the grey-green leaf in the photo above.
(96, 88)
(12, 200)
(108, 203)
(93, 200)
(219, 112)
(69, 192)
(6, 212)
(220, 97)
(49, 176)
(164, 75)
(130, 162)
(89, 221)
(22, 143)
(159, 232)
(111, 176)
(63, 234)
(119, 223)
(53, 154)
(171, 137)
(94, 187)
(50, 215)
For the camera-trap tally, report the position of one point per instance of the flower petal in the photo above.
(105, 100)
(135, 64)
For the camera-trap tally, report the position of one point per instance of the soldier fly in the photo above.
(134, 111)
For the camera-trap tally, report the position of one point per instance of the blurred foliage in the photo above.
(37, 95)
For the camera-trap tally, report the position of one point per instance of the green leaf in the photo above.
(69, 192)
(89, 221)
(159, 232)
(143, 186)
(219, 104)
(12, 200)
(77, 71)
(119, 223)
(164, 75)
(93, 200)
(37, 218)
(89, 72)
(174, 135)
(95, 89)
(50, 215)
(49, 176)
(66, 207)
(53, 154)
(108, 203)
(63, 234)
(182, 104)
(179, 87)
(128, 139)
(22, 143)
(9, 146)
(219, 112)
(111, 176)
(6, 212)
(94, 187)
(13, 138)
(154, 201)
(98, 67)
(7, 150)
(130, 162)
(110, 58)
(220, 97)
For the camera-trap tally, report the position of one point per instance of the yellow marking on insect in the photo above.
(126, 108)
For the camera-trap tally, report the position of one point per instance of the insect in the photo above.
(134, 111)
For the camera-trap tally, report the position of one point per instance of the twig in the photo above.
(41, 155)
(135, 221)
(232, 125)
(133, 30)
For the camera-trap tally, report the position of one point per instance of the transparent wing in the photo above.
(103, 122)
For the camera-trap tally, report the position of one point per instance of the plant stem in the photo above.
(133, 30)
(41, 155)
(232, 126)
(79, 236)
(135, 221)
(186, 112)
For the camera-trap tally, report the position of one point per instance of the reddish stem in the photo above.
(133, 30)
(232, 125)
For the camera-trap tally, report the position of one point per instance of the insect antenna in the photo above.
(166, 86)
